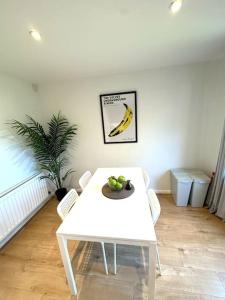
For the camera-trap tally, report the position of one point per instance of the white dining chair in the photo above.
(146, 178)
(64, 208)
(84, 179)
(67, 203)
(155, 212)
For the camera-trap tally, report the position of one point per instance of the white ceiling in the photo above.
(98, 37)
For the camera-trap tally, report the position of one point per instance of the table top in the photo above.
(95, 217)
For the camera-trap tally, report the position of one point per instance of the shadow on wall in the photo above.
(16, 161)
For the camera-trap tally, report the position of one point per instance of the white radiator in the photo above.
(19, 205)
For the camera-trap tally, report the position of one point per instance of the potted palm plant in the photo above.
(49, 147)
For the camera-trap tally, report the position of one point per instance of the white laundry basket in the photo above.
(199, 189)
(181, 184)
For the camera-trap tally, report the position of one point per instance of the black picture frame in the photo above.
(111, 101)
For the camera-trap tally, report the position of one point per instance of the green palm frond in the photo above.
(49, 147)
(50, 177)
(34, 137)
(67, 137)
(67, 173)
(61, 134)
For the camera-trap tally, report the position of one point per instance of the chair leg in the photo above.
(104, 258)
(158, 259)
(114, 246)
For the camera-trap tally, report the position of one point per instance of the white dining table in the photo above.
(97, 218)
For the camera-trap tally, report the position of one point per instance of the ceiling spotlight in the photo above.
(35, 35)
(175, 6)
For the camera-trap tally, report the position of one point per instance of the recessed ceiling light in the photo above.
(175, 6)
(35, 35)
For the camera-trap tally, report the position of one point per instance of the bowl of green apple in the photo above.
(116, 184)
(117, 188)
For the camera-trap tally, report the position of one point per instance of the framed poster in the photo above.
(119, 117)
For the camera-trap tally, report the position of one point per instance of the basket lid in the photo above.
(183, 177)
(200, 178)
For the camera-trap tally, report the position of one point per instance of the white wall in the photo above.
(181, 111)
(169, 103)
(17, 98)
(213, 114)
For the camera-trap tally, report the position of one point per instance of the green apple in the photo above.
(112, 181)
(118, 186)
(121, 179)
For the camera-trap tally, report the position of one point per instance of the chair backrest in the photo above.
(67, 203)
(146, 178)
(154, 205)
(84, 179)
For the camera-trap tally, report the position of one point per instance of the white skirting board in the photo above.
(19, 205)
(162, 191)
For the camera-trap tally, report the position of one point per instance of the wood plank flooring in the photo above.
(192, 250)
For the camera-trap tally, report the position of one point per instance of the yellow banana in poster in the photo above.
(123, 125)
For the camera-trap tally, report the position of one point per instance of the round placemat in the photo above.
(116, 195)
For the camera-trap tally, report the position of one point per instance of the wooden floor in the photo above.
(192, 250)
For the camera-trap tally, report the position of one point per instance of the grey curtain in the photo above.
(216, 196)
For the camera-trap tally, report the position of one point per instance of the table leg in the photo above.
(114, 254)
(67, 264)
(151, 274)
